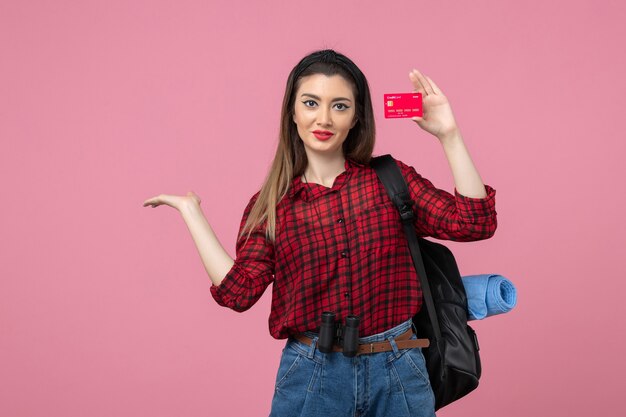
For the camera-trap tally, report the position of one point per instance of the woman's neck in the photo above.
(322, 170)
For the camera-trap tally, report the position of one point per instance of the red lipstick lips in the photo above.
(322, 134)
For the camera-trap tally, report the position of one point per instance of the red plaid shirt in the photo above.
(346, 244)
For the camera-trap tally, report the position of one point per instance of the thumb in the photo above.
(194, 196)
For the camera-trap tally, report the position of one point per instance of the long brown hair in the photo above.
(290, 159)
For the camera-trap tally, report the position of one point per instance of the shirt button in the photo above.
(346, 294)
(344, 254)
(340, 221)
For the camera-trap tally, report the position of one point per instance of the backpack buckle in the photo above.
(405, 205)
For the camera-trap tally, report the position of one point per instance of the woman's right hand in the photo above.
(175, 201)
(217, 262)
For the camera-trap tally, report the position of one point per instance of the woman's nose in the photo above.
(324, 117)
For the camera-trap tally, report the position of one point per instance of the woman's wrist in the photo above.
(191, 208)
(450, 138)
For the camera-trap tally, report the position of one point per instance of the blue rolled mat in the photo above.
(488, 295)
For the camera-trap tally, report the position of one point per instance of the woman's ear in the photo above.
(354, 122)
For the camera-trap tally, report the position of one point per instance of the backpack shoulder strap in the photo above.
(390, 175)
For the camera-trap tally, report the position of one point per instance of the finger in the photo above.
(423, 81)
(419, 88)
(436, 89)
(417, 120)
(151, 202)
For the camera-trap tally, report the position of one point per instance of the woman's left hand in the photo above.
(437, 113)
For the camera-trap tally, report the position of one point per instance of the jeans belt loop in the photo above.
(394, 346)
(311, 352)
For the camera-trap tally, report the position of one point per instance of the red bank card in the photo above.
(403, 105)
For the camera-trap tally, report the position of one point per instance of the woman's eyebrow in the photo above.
(317, 98)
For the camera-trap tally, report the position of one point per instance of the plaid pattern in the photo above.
(345, 245)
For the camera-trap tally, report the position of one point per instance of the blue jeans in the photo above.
(312, 383)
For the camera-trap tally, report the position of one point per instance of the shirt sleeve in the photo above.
(450, 217)
(252, 271)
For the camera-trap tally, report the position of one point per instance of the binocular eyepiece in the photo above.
(333, 332)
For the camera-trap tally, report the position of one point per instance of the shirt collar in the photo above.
(297, 185)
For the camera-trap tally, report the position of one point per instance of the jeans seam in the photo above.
(415, 368)
(314, 377)
(289, 371)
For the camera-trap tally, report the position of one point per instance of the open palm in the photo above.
(438, 118)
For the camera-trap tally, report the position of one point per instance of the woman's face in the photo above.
(324, 111)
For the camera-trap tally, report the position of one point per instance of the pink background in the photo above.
(105, 307)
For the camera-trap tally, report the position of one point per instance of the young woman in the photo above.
(323, 230)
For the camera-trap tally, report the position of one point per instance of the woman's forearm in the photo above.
(215, 259)
(466, 177)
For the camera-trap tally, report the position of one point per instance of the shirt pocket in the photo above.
(379, 258)
(379, 229)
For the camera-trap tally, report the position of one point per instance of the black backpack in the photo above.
(452, 358)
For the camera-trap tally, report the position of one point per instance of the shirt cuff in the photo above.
(226, 293)
(476, 210)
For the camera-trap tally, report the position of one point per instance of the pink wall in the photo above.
(104, 304)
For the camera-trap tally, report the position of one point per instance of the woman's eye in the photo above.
(342, 106)
(309, 103)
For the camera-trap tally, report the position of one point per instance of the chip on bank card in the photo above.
(403, 105)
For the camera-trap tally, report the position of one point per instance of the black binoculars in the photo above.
(333, 332)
